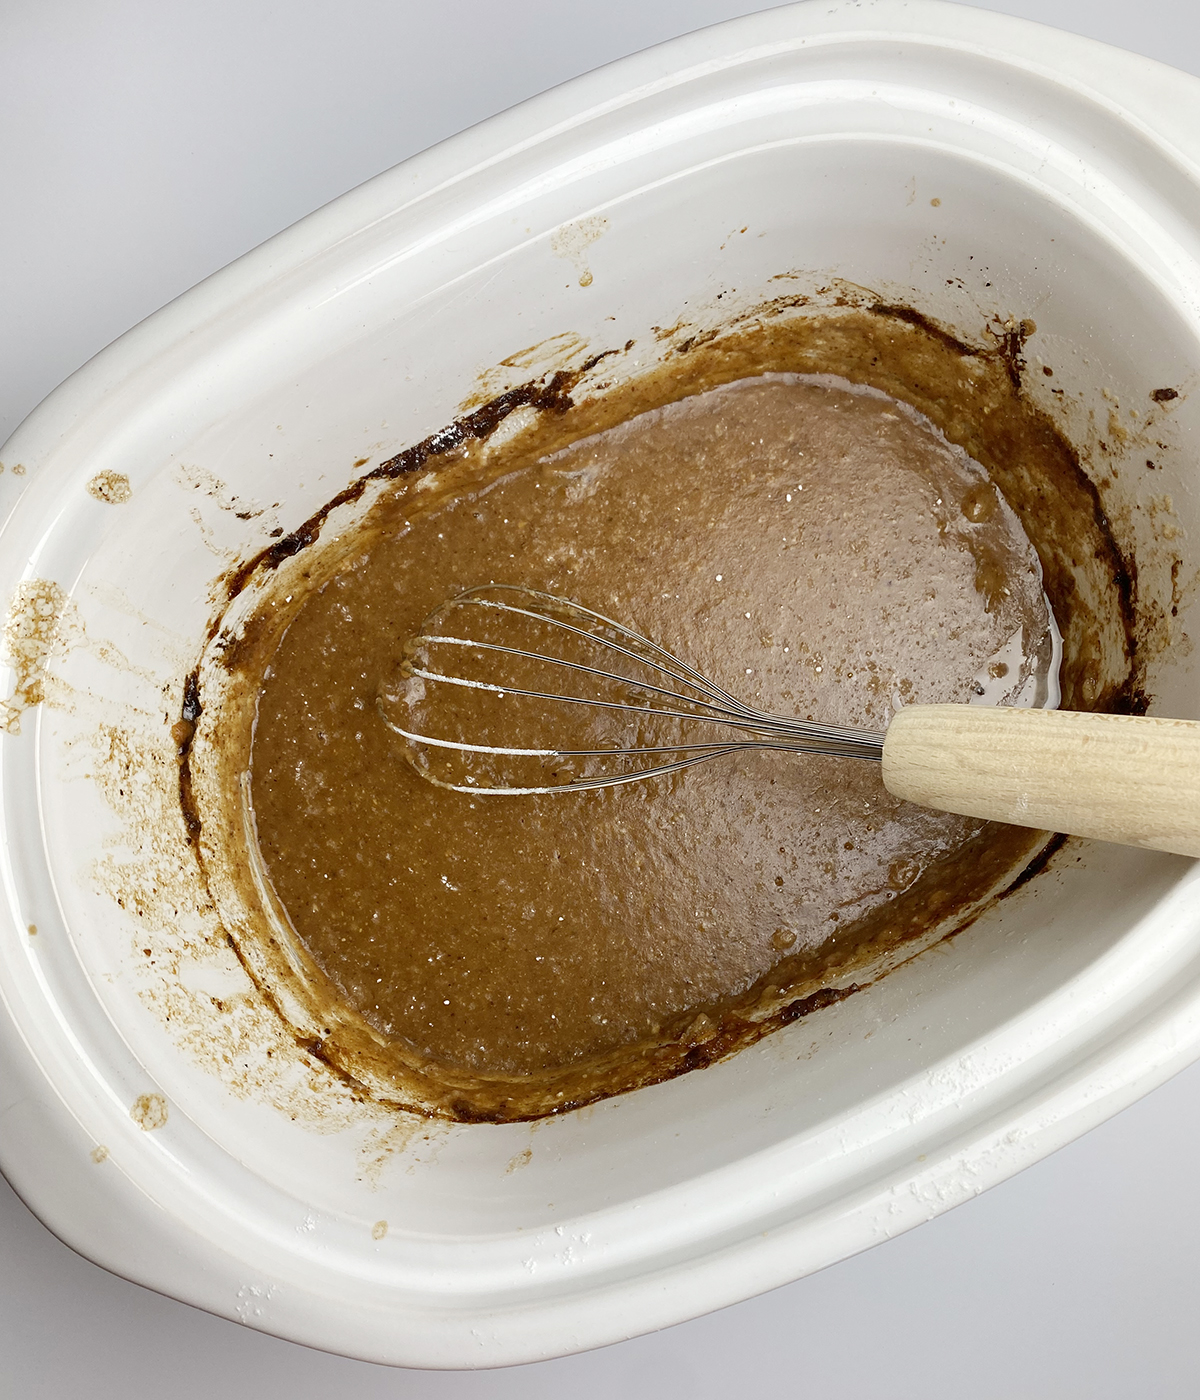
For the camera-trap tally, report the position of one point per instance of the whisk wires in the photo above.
(672, 691)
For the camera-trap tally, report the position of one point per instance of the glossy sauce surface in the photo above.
(817, 549)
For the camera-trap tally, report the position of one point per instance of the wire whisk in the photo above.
(500, 662)
(493, 663)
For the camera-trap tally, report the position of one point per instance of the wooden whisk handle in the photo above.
(1133, 780)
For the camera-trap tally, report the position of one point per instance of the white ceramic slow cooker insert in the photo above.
(979, 165)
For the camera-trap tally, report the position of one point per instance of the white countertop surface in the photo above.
(145, 144)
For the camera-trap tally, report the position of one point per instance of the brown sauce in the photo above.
(812, 548)
(815, 547)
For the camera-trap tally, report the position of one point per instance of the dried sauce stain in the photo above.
(99, 1153)
(188, 973)
(1117, 431)
(379, 1229)
(111, 487)
(572, 240)
(1039, 863)
(402, 1134)
(522, 1159)
(1163, 519)
(549, 394)
(149, 1112)
(565, 351)
(1118, 449)
(209, 485)
(43, 621)
(32, 628)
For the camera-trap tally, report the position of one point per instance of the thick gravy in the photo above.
(816, 548)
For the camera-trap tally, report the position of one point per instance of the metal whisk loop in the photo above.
(687, 695)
